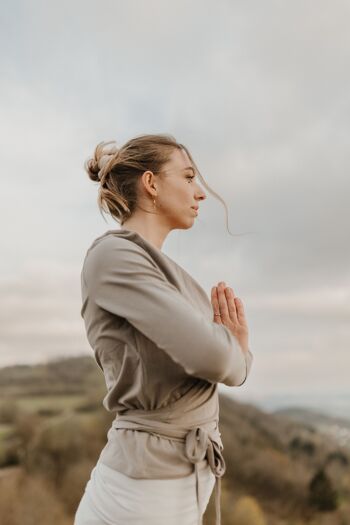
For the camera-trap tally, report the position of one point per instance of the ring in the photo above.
(218, 314)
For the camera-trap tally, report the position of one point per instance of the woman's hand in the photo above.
(231, 310)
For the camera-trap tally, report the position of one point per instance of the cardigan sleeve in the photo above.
(124, 280)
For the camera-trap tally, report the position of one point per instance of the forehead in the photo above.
(179, 160)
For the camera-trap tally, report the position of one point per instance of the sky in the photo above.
(259, 93)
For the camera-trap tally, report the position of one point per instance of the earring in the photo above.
(154, 203)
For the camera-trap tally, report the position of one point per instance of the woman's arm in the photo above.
(124, 280)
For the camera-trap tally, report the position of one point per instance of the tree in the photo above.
(322, 495)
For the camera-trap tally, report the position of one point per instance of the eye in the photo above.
(191, 177)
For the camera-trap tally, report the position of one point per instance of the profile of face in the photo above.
(177, 191)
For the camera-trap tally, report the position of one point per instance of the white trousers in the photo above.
(112, 498)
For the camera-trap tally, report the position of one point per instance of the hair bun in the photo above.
(104, 152)
(92, 168)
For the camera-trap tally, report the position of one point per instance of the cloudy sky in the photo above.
(259, 92)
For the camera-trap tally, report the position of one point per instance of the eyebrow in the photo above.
(189, 168)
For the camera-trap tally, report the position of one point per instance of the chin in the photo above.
(188, 225)
(182, 226)
(183, 223)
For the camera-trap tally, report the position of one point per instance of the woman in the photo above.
(162, 345)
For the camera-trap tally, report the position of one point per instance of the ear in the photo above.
(148, 180)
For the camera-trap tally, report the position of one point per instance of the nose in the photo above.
(200, 195)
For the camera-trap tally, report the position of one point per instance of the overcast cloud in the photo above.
(259, 92)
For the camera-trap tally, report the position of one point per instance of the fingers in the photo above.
(215, 304)
(231, 311)
(240, 312)
(223, 308)
(232, 303)
(224, 302)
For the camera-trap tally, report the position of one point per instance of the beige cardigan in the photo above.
(150, 325)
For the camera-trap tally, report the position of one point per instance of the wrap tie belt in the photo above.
(200, 442)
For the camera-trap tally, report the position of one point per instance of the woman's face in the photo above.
(178, 191)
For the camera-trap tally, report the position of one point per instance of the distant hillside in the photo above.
(334, 427)
(276, 458)
(71, 375)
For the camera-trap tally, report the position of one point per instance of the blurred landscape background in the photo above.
(259, 93)
(288, 467)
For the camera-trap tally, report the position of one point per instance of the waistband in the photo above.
(202, 440)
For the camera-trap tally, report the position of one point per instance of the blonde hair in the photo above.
(118, 169)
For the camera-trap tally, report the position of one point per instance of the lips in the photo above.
(195, 207)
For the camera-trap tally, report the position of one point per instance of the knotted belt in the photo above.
(202, 440)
